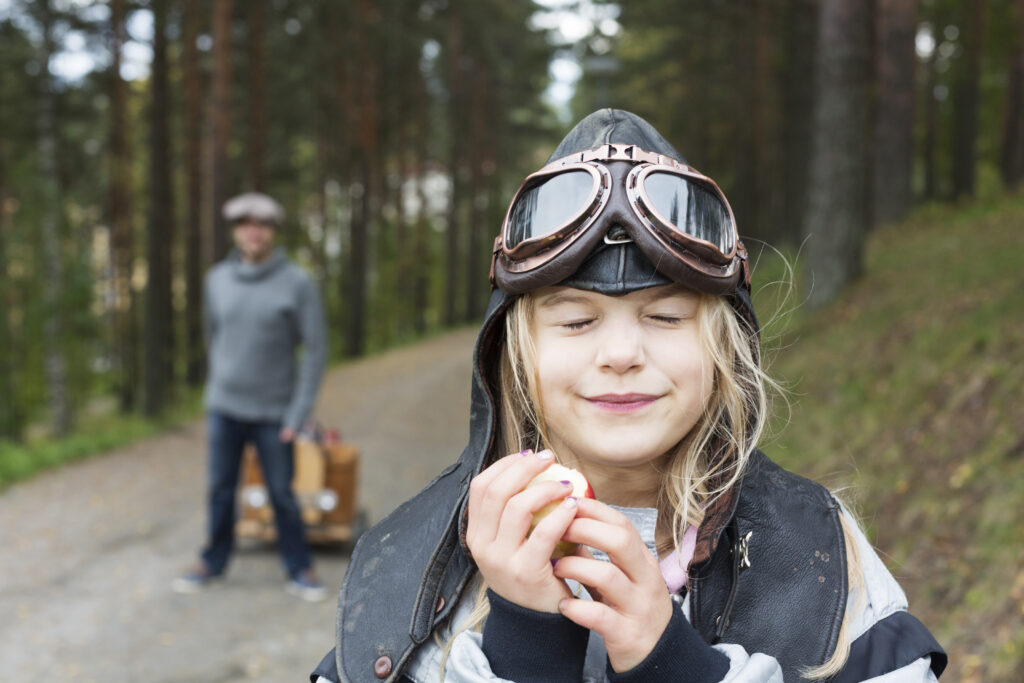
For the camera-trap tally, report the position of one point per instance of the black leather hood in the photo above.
(407, 571)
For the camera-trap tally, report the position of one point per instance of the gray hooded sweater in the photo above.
(255, 316)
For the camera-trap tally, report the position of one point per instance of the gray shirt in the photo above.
(255, 317)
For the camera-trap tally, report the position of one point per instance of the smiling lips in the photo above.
(622, 403)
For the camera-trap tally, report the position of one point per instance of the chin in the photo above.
(626, 452)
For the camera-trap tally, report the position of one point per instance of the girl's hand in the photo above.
(515, 563)
(631, 606)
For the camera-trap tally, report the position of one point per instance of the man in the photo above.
(258, 309)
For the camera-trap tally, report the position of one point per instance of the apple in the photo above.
(580, 489)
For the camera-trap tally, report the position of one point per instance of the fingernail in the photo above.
(563, 604)
(546, 454)
(524, 452)
(571, 501)
(565, 482)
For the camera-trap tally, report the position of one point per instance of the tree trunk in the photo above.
(931, 126)
(966, 100)
(221, 111)
(158, 330)
(836, 204)
(797, 113)
(455, 131)
(476, 284)
(257, 141)
(11, 423)
(55, 361)
(422, 263)
(194, 263)
(360, 228)
(892, 194)
(1012, 165)
(122, 238)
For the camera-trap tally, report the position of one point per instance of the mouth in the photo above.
(622, 403)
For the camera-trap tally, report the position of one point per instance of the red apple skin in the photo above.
(580, 489)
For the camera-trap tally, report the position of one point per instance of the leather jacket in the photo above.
(774, 579)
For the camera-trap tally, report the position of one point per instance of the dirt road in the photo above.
(87, 552)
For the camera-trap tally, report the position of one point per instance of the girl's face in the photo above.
(621, 379)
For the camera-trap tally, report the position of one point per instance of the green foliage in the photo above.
(105, 431)
(906, 395)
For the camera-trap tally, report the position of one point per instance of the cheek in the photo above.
(557, 370)
(693, 373)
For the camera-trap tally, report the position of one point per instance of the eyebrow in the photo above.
(562, 298)
(572, 298)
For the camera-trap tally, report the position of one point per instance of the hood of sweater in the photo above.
(244, 270)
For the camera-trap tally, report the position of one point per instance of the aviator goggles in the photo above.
(678, 217)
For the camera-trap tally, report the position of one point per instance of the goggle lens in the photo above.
(690, 208)
(554, 202)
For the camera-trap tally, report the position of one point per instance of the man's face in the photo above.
(255, 240)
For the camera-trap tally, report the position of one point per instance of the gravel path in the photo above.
(88, 551)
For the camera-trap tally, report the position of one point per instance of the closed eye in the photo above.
(577, 324)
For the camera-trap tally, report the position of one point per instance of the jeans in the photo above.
(227, 437)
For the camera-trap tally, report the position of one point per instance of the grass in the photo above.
(906, 393)
(98, 434)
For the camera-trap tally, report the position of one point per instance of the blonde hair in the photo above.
(706, 464)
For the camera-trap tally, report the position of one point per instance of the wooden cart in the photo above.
(325, 485)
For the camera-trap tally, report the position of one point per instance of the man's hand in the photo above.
(287, 434)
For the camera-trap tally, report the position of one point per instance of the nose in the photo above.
(621, 347)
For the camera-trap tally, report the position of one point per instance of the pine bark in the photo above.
(356, 292)
(896, 26)
(50, 229)
(10, 419)
(158, 349)
(797, 111)
(194, 263)
(929, 142)
(257, 142)
(222, 121)
(476, 285)
(456, 131)
(967, 100)
(837, 218)
(125, 332)
(1012, 161)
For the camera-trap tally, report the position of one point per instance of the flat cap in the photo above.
(254, 206)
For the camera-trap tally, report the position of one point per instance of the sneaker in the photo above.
(195, 580)
(306, 586)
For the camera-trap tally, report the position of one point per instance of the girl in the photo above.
(621, 341)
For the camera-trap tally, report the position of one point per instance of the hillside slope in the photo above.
(906, 394)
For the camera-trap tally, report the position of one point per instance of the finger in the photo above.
(603, 580)
(598, 526)
(590, 614)
(478, 526)
(533, 502)
(550, 530)
(491, 490)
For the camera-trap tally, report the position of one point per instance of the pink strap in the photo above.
(674, 567)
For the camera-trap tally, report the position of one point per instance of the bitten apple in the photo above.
(580, 489)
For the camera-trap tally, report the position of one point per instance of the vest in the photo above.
(775, 583)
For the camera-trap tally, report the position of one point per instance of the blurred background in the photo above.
(877, 146)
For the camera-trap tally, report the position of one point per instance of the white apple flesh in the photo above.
(580, 489)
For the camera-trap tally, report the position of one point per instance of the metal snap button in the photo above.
(382, 667)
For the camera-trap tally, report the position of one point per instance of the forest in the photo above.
(394, 133)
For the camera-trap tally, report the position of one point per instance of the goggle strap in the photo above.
(613, 152)
(494, 257)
